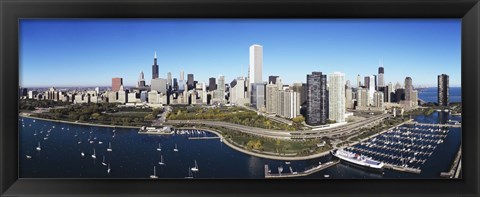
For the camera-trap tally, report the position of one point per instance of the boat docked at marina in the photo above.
(357, 159)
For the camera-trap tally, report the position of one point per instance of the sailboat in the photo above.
(94, 156)
(35, 133)
(190, 175)
(103, 162)
(108, 170)
(28, 156)
(39, 148)
(195, 169)
(109, 149)
(159, 147)
(83, 154)
(175, 149)
(161, 160)
(154, 176)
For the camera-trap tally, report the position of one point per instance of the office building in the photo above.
(256, 64)
(408, 89)
(272, 79)
(212, 85)
(141, 81)
(359, 83)
(116, 83)
(159, 85)
(381, 82)
(190, 81)
(258, 96)
(336, 92)
(348, 98)
(169, 80)
(182, 77)
(378, 99)
(443, 90)
(271, 98)
(317, 99)
(155, 67)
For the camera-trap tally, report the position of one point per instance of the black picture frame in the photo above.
(11, 11)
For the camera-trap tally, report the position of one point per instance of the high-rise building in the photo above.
(159, 85)
(155, 67)
(336, 92)
(359, 83)
(378, 99)
(175, 84)
(256, 64)
(443, 90)
(348, 98)
(220, 92)
(271, 98)
(212, 85)
(300, 89)
(381, 82)
(190, 81)
(258, 95)
(238, 92)
(182, 76)
(399, 95)
(116, 83)
(366, 83)
(141, 81)
(371, 89)
(272, 79)
(375, 80)
(317, 99)
(169, 79)
(408, 89)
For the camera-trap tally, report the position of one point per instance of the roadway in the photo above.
(336, 132)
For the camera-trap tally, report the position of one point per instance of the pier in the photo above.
(402, 169)
(292, 173)
(203, 138)
(436, 125)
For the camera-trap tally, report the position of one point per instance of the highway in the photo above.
(336, 132)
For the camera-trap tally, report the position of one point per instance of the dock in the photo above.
(292, 173)
(402, 169)
(203, 138)
(436, 125)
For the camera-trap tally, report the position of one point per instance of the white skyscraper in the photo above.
(182, 76)
(371, 90)
(256, 64)
(336, 93)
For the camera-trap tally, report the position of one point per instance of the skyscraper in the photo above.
(155, 67)
(182, 77)
(258, 95)
(212, 85)
(359, 83)
(190, 81)
(443, 90)
(371, 89)
(336, 92)
(271, 97)
(381, 82)
(378, 99)
(169, 79)
(317, 99)
(116, 83)
(408, 89)
(366, 83)
(272, 79)
(141, 81)
(256, 64)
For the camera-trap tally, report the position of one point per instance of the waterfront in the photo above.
(133, 155)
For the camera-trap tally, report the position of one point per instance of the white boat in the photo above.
(175, 149)
(83, 154)
(28, 156)
(287, 162)
(79, 142)
(94, 156)
(100, 142)
(91, 141)
(39, 148)
(161, 160)
(190, 175)
(35, 133)
(154, 176)
(195, 169)
(159, 147)
(357, 159)
(108, 170)
(103, 162)
(109, 149)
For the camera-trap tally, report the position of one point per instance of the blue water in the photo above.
(134, 155)
(430, 94)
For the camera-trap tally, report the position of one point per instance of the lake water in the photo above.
(430, 94)
(134, 155)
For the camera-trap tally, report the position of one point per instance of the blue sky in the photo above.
(89, 52)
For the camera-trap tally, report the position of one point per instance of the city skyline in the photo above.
(288, 54)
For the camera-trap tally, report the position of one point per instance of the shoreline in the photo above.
(273, 157)
(79, 123)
